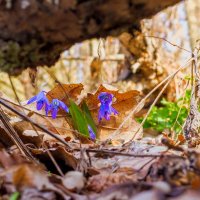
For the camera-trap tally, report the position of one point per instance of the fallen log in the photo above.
(35, 32)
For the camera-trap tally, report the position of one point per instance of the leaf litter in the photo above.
(100, 169)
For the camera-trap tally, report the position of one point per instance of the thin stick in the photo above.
(14, 137)
(152, 105)
(147, 96)
(104, 151)
(34, 123)
(87, 57)
(23, 107)
(179, 111)
(48, 152)
(175, 45)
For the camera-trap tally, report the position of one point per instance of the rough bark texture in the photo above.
(35, 32)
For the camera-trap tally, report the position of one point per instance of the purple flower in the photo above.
(106, 108)
(54, 106)
(40, 99)
(91, 132)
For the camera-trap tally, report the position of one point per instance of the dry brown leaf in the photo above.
(60, 125)
(58, 152)
(124, 101)
(7, 160)
(65, 91)
(181, 138)
(29, 176)
(102, 181)
(126, 133)
(34, 194)
(196, 182)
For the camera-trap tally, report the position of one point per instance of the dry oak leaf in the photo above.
(65, 91)
(58, 126)
(124, 101)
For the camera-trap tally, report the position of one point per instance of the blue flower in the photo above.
(41, 100)
(91, 132)
(54, 106)
(106, 108)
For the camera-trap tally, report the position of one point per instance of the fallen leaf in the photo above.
(65, 91)
(103, 181)
(123, 103)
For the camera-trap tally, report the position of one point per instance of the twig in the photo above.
(148, 162)
(152, 105)
(166, 142)
(48, 152)
(130, 154)
(175, 45)
(14, 137)
(23, 107)
(34, 123)
(85, 58)
(147, 96)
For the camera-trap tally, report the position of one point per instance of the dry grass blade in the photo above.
(175, 45)
(44, 145)
(153, 104)
(34, 123)
(107, 152)
(13, 135)
(147, 96)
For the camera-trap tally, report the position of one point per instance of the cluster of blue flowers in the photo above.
(105, 109)
(53, 107)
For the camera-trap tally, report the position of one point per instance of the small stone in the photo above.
(74, 180)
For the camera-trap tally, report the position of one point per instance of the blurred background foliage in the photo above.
(126, 62)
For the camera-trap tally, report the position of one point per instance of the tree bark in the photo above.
(35, 32)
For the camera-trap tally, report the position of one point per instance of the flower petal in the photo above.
(41, 95)
(106, 108)
(99, 117)
(107, 115)
(63, 106)
(54, 112)
(101, 114)
(91, 132)
(47, 108)
(40, 104)
(115, 112)
(31, 100)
